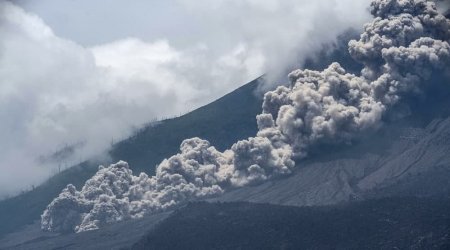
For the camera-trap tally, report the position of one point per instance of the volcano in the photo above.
(358, 144)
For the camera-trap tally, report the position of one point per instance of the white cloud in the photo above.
(283, 32)
(317, 108)
(56, 93)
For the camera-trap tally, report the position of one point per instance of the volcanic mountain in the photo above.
(361, 144)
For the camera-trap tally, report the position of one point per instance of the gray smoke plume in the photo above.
(198, 171)
(401, 48)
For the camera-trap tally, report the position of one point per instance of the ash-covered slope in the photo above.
(409, 157)
(406, 223)
(318, 112)
(406, 56)
(405, 159)
(388, 223)
(116, 236)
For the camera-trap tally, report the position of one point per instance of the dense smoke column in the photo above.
(400, 49)
(330, 106)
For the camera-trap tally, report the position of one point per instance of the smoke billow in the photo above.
(199, 170)
(400, 49)
(74, 78)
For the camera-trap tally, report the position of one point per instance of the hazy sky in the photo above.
(81, 72)
(91, 23)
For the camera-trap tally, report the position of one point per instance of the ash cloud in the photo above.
(407, 41)
(71, 72)
(198, 171)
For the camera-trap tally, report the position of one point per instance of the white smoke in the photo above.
(62, 102)
(406, 42)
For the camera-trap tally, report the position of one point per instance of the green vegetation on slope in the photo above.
(222, 122)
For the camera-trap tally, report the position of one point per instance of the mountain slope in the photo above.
(408, 157)
(406, 223)
(222, 122)
(388, 223)
(117, 236)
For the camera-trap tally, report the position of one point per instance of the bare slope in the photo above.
(387, 223)
(406, 223)
(409, 157)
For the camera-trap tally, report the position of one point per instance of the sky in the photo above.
(76, 75)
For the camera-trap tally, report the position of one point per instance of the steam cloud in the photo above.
(71, 88)
(406, 42)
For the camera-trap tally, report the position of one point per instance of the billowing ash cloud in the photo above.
(198, 171)
(176, 55)
(406, 42)
(328, 106)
